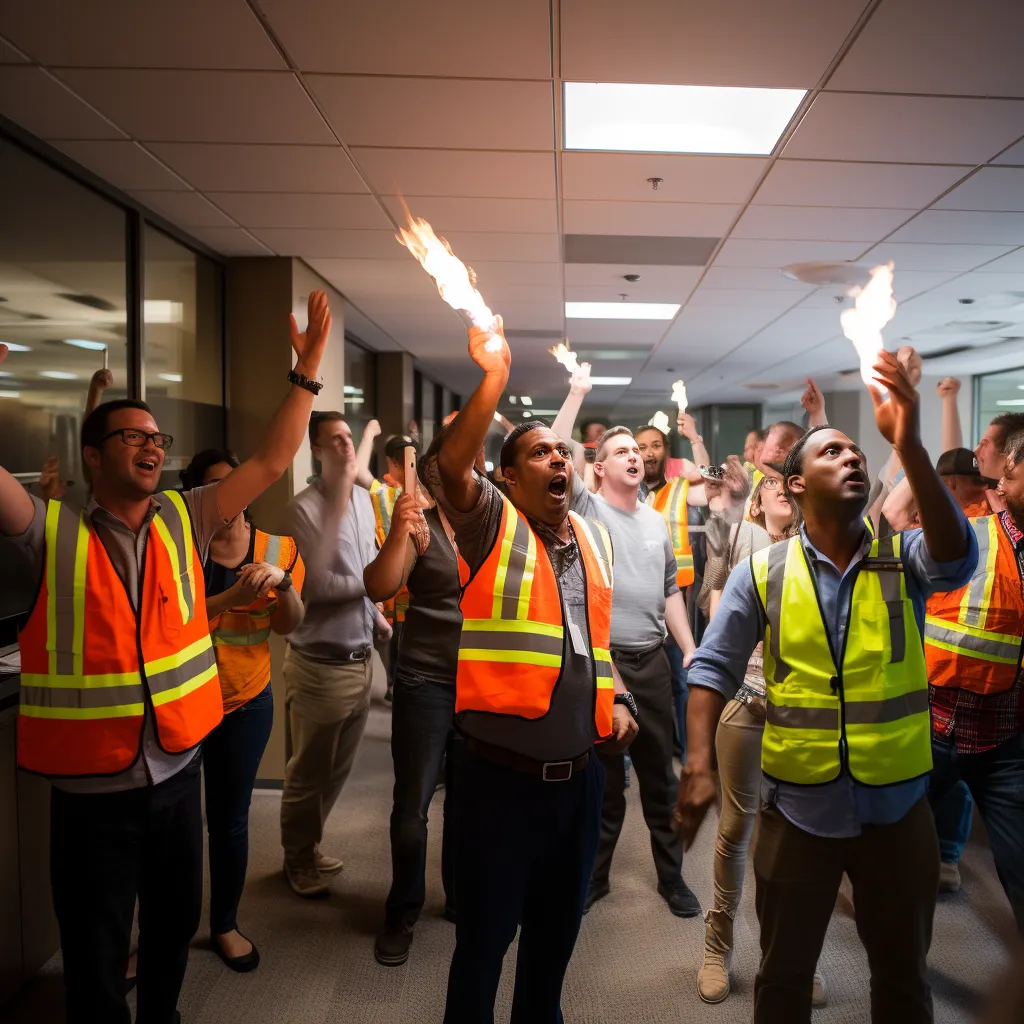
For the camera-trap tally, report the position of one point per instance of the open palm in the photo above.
(898, 416)
(309, 344)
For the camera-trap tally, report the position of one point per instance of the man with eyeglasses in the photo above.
(119, 686)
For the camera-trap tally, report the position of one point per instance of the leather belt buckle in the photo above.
(360, 655)
(556, 771)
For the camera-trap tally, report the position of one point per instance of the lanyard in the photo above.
(1015, 537)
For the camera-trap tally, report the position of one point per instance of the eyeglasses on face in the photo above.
(771, 483)
(138, 438)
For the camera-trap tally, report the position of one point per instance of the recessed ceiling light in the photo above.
(174, 378)
(13, 346)
(527, 414)
(512, 399)
(58, 375)
(1010, 401)
(526, 400)
(92, 346)
(10, 394)
(621, 310)
(162, 311)
(676, 118)
(1020, 387)
(611, 381)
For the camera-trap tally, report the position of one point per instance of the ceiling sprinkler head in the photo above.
(632, 278)
(655, 182)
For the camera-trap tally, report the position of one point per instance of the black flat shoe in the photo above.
(241, 964)
(130, 983)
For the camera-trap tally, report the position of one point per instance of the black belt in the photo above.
(548, 771)
(619, 654)
(360, 655)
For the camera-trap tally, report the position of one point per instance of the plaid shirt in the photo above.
(977, 722)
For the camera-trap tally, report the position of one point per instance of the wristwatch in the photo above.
(285, 584)
(627, 700)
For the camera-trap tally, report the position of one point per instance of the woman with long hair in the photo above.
(253, 580)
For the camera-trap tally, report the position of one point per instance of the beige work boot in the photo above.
(328, 865)
(819, 994)
(713, 978)
(949, 876)
(305, 881)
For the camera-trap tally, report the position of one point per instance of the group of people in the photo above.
(835, 658)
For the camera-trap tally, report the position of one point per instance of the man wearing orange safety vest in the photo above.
(974, 640)
(119, 686)
(535, 690)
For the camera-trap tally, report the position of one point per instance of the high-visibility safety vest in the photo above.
(383, 498)
(864, 712)
(241, 635)
(973, 636)
(670, 501)
(513, 625)
(91, 665)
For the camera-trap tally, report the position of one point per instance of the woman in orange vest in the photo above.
(253, 582)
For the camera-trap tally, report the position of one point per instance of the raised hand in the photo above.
(898, 416)
(948, 387)
(579, 382)
(497, 362)
(50, 482)
(372, 430)
(687, 426)
(813, 402)
(101, 380)
(407, 517)
(309, 344)
(910, 359)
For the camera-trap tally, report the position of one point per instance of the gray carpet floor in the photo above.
(633, 962)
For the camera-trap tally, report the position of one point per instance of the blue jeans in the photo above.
(422, 733)
(231, 758)
(680, 692)
(525, 850)
(953, 815)
(996, 781)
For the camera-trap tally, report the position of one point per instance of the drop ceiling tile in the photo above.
(479, 246)
(1012, 262)
(463, 173)
(640, 250)
(119, 33)
(1014, 155)
(819, 222)
(262, 168)
(448, 214)
(41, 105)
(685, 179)
(937, 47)
(203, 106)
(231, 241)
(610, 277)
(734, 297)
(917, 256)
(676, 219)
(785, 44)
(124, 164)
(321, 243)
(438, 113)
(408, 37)
(702, 325)
(400, 276)
(301, 210)
(957, 226)
(505, 272)
(991, 188)
(751, 252)
(906, 285)
(186, 209)
(622, 333)
(906, 129)
(752, 279)
(832, 183)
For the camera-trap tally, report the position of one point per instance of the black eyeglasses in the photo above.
(138, 438)
(771, 483)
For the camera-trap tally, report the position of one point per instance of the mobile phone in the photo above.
(409, 459)
(713, 473)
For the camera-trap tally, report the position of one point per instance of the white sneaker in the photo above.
(819, 994)
(328, 865)
(713, 978)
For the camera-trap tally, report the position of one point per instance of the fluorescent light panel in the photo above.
(525, 400)
(58, 375)
(621, 310)
(173, 378)
(676, 118)
(612, 381)
(92, 346)
(13, 346)
(10, 394)
(1010, 401)
(162, 311)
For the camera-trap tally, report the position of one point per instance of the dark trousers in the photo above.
(680, 693)
(996, 782)
(648, 677)
(231, 758)
(422, 733)
(525, 849)
(894, 870)
(106, 849)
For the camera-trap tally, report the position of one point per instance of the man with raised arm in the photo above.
(119, 686)
(847, 743)
(535, 690)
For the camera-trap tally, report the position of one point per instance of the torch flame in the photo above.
(455, 282)
(660, 421)
(873, 308)
(679, 395)
(565, 356)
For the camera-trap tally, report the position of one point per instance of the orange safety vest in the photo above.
(973, 636)
(241, 636)
(91, 665)
(670, 501)
(513, 625)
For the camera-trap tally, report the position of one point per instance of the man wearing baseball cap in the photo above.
(960, 473)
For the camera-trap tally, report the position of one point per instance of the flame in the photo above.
(455, 282)
(679, 395)
(873, 308)
(660, 421)
(565, 356)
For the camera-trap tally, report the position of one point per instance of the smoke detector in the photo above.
(853, 275)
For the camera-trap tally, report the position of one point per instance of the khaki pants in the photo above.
(738, 748)
(327, 707)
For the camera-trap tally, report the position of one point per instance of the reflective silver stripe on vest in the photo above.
(89, 697)
(513, 640)
(786, 717)
(516, 570)
(274, 549)
(875, 712)
(673, 514)
(890, 581)
(171, 516)
(64, 555)
(385, 513)
(976, 595)
(603, 668)
(969, 642)
(173, 677)
(773, 605)
(597, 532)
